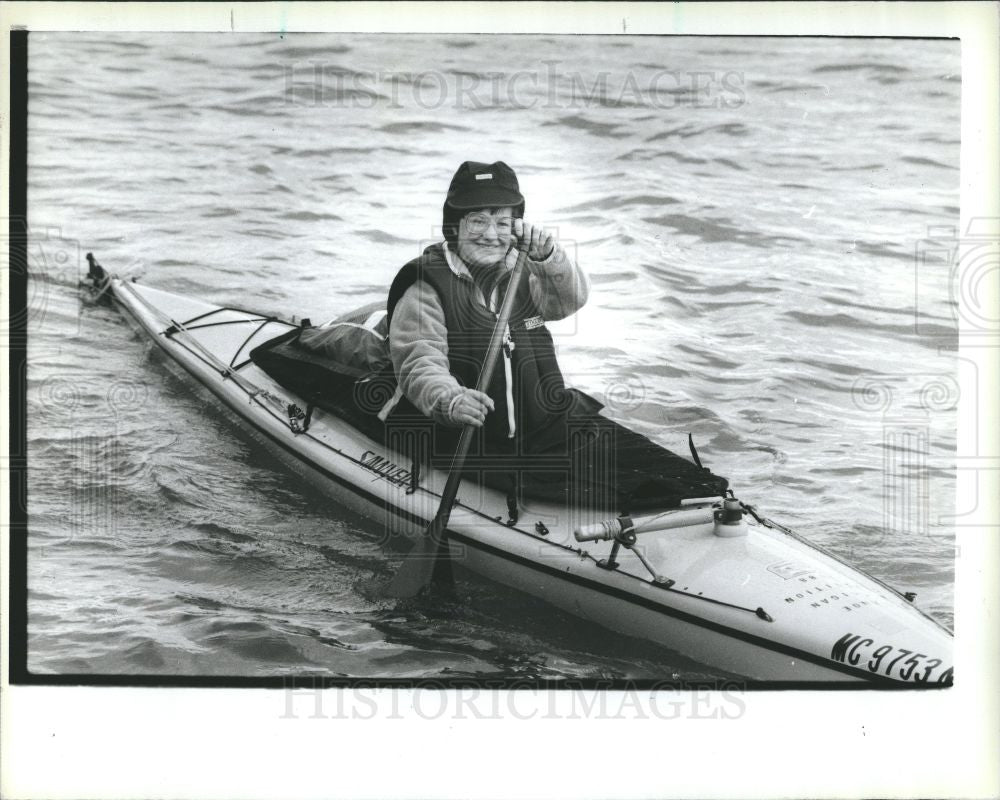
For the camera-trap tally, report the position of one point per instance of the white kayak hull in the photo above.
(767, 606)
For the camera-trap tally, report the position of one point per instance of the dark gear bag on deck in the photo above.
(342, 367)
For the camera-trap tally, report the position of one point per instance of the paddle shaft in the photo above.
(482, 385)
(429, 562)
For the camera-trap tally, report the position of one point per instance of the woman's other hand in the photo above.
(540, 241)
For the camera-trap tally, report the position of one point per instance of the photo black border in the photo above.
(17, 652)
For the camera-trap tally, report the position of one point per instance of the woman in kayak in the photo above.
(442, 309)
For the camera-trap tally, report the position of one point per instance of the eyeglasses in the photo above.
(477, 224)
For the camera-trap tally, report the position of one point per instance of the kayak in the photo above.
(712, 579)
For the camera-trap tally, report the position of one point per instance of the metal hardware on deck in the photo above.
(94, 270)
(99, 276)
(103, 288)
(760, 612)
(767, 523)
(606, 530)
(540, 529)
(700, 501)
(730, 512)
(610, 563)
(627, 539)
(624, 536)
(298, 420)
(512, 512)
(621, 538)
(658, 579)
(729, 519)
(911, 596)
(415, 478)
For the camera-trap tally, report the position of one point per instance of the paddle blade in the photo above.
(427, 566)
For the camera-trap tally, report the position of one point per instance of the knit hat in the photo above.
(478, 185)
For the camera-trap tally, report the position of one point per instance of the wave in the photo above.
(715, 231)
(927, 162)
(731, 164)
(929, 334)
(742, 287)
(218, 212)
(680, 157)
(429, 127)
(707, 357)
(221, 531)
(607, 130)
(381, 237)
(826, 366)
(880, 249)
(620, 201)
(266, 233)
(318, 51)
(854, 167)
(310, 216)
(327, 152)
(866, 65)
(604, 278)
(247, 108)
(735, 129)
(779, 88)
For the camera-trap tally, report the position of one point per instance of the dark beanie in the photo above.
(477, 185)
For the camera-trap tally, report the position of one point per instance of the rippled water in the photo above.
(751, 237)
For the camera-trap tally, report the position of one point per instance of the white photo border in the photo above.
(72, 742)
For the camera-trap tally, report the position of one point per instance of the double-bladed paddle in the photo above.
(429, 562)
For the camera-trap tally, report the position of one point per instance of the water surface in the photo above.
(751, 238)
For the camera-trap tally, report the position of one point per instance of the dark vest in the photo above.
(539, 393)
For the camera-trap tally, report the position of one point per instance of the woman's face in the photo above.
(485, 236)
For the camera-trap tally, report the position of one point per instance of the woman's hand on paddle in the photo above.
(540, 241)
(471, 408)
